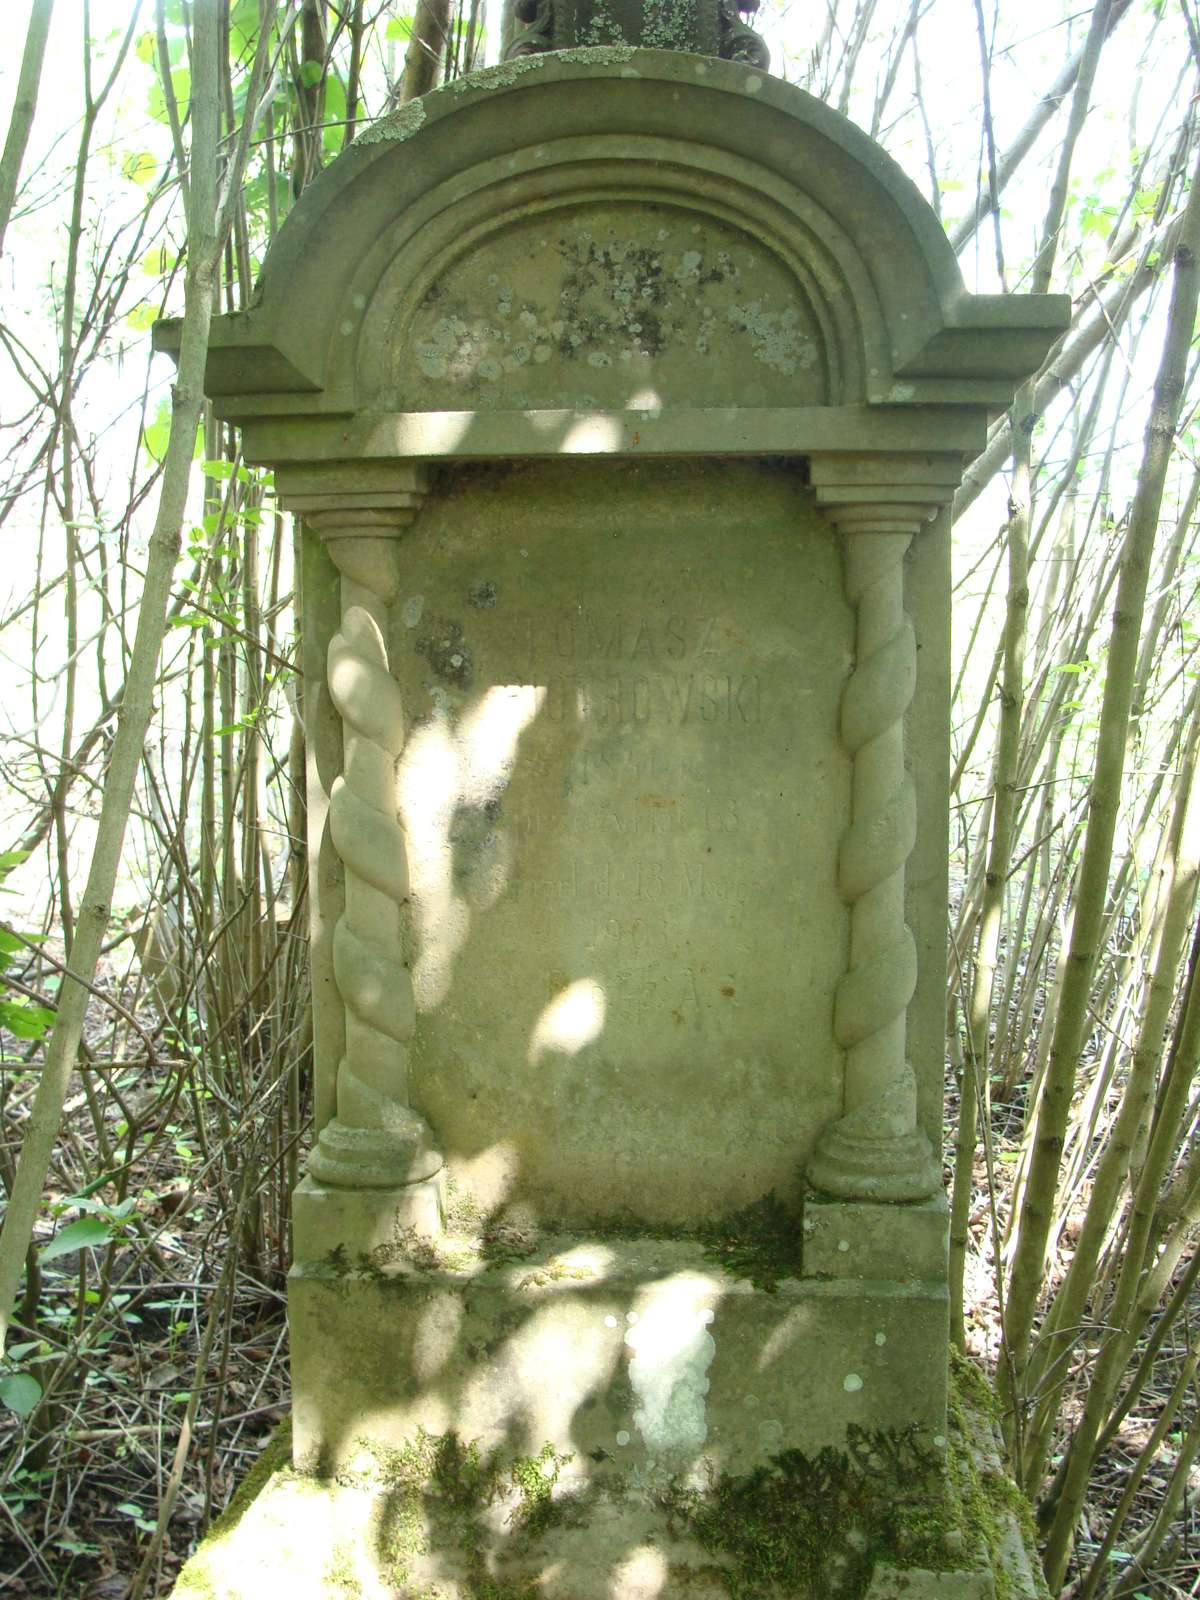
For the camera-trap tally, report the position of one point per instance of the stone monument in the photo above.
(622, 392)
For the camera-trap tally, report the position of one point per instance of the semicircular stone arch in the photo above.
(828, 227)
(746, 293)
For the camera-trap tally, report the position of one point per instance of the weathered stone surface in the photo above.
(442, 1516)
(357, 1222)
(607, 302)
(640, 1356)
(624, 791)
(720, 146)
(855, 1239)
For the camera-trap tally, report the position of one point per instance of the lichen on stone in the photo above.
(669, 25)
(502, 76)
(397, 126)
(601, 27)
(778, 339)
(506, 73)
(610, 55)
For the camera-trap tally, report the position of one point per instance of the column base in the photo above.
(362, 1229)
(369, 1158)
(848, 1239)
(851, 1166)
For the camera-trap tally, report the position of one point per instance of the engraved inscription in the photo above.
(672, 701)
(581, 635)
(624, 670)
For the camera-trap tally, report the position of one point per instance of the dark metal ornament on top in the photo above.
(705, 27)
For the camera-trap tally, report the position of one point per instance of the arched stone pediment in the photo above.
(796, 265)
(726, 294)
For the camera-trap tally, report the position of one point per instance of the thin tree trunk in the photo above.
(1091, 894)
(23, 109)
(431, 25)
(1071, 1022)
(1181, 863)
(1105, 323)
(976, 1066)
(133, 717)
(1027, 137)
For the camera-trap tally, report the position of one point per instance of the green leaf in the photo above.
(76, 1236)
(19, 1392)
(142, 318)
(155, 263)
(335, 113)
(181, 82)
(399, 28)
(155, 434)
(23, 1020)
(139, 166)
(74, 1546)
(311, 73)
(243, 27)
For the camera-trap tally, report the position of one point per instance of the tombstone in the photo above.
(623, 393)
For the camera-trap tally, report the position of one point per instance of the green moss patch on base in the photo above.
(814, 1527)
(276, 1457)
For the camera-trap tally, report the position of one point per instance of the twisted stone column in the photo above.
(376, 1140)
(876, 1149)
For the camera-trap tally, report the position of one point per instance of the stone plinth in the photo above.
(634, 1357)
(442, 1516)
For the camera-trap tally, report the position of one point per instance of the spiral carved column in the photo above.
(876, 1150)
(376, 1140)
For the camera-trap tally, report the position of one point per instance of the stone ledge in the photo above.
(627, 1355)
(438, 1519)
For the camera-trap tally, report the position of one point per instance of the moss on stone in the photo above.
(535, 1477)
(815, 1526)
(194, 1581)
(760, 1243)
(812, 1527)
(992, 1506)
(432, 1492)
(340, 1578)
(556, 1271)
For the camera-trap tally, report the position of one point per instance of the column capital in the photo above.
(885, 491)
(354, 499)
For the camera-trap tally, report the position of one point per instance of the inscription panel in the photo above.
(624, 793)
(602, 302)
